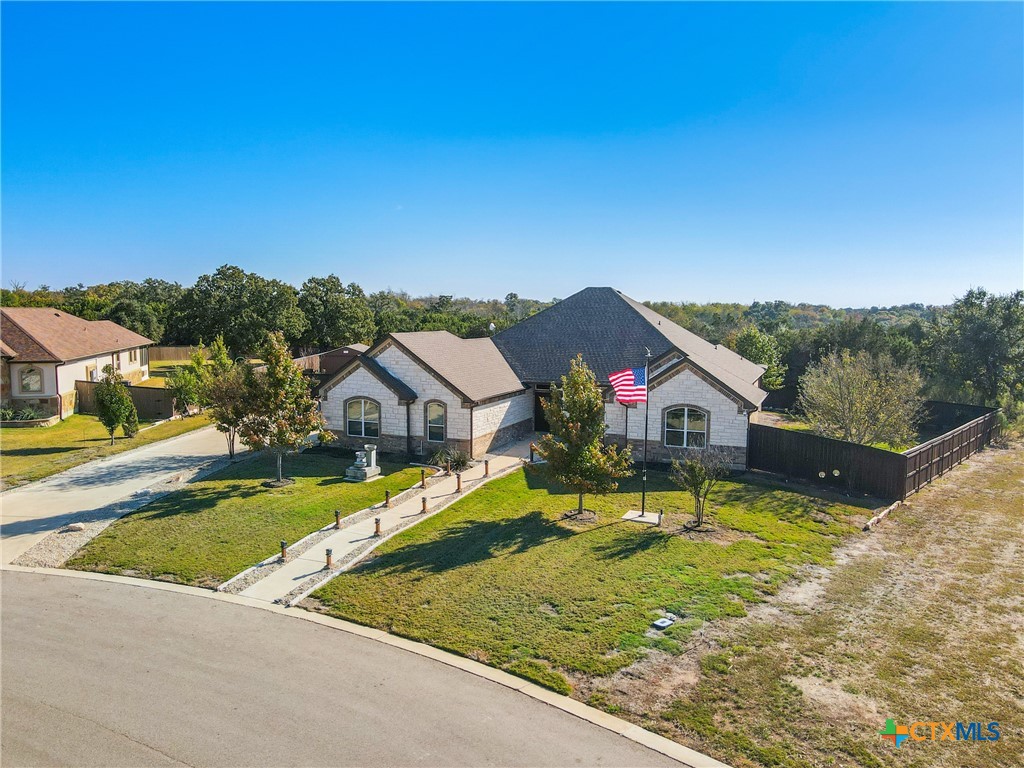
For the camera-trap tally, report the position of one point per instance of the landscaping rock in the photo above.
(73, 528)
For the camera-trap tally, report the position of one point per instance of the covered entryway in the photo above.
(540, 422)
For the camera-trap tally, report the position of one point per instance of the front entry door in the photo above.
(540, 423)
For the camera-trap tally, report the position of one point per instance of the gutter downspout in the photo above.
(471, 431)
(408, 428)
(56, 388)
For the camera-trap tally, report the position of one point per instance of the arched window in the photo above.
(31, 380)
(363, 418)
(437, 422)
(686, 427)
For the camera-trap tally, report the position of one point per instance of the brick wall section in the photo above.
(728, 422)
(504, 413)
(504, 421)
(427, 388)
(362, 384)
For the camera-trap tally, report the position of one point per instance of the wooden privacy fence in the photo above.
(863, 469)
(928, 460)
(157, 354)
(152, 403)
(822, 460)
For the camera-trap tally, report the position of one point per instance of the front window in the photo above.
(363, 418)
(686, 428)
(435, 422)
(31, 380)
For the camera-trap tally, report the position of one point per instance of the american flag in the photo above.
(630, 385)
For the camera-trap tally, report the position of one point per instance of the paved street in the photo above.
(29, 513)
(98, 673)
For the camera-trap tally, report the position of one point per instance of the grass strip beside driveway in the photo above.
(216, 527)
(32, 453)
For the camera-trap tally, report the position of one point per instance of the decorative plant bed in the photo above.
(49, 421)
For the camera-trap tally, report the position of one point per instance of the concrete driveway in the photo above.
(100, 673)
(29, 513)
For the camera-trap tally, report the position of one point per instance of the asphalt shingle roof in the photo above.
(611, 331)
(44, 334)
(474, 367)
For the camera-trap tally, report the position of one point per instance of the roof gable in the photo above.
(403, 391)
(473, 368)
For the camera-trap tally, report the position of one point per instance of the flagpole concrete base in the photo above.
(635, 516)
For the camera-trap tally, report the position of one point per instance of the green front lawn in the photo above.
(31, 453)
(214, 528)
(501, 578)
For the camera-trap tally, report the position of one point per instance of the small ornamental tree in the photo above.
(228, 397)
(576, 454)
(282, 411)
(862, 399)
(220, 361)
(113, 403)
(698, 474)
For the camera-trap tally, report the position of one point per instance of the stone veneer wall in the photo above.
(502, 422)
(360, 383)
(427, 388)
(728, 421)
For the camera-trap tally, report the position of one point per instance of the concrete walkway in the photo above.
(31, 512)
(358, 536)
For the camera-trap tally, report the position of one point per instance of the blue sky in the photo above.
(840, 153)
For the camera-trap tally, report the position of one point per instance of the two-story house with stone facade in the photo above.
(415, 392)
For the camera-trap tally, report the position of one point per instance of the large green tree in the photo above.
(282, 412)
(862, 399)
(575, 451)
(240, 306)
(760, 347)
(337, 314)
(976, 349)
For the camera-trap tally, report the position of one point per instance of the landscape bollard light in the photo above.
(376, 526)
(284, 550)
(458, 482)
(531, 453)
(423, 478)
(660, 513)
(337, 518)
(487, 467)
(423, 508)
(330, 559)
(449, 469)
(387, 499)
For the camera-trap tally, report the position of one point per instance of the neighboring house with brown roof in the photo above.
(44, 351)
(414, 392)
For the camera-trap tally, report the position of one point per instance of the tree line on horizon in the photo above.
(970, 351)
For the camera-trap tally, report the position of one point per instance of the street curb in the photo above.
(668, 748)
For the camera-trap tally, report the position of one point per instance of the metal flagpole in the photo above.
(647, 425)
